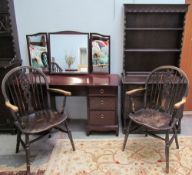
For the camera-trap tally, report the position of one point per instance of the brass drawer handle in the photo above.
(101, 91)
(101, 115)
(101, 101)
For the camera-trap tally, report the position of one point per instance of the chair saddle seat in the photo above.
(152, 119)
(41, 121)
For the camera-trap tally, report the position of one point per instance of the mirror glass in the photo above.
(100, 53)
(38, 51)
(69, 52)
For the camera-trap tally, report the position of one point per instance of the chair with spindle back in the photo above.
(165, 93)
(55, 67)
(27, 95)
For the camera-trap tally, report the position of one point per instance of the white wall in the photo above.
(100, 16)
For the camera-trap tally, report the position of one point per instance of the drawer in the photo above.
(102, 118)
(102, 91)
(102, 103)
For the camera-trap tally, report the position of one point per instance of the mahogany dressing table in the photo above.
(101, 91)
(69, 59)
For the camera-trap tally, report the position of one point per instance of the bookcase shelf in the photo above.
(155, 28)
(9, 56)
(152, 32)
(152, 37)
(152, 50)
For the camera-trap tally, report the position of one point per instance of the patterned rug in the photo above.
(15, 164)
(142, 156)
(39, 172)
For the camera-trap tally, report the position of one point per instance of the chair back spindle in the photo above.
(165, 86)
(26, 88)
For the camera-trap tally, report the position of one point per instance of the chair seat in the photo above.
(41, 121)
(152, 119)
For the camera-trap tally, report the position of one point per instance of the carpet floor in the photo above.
(39, 172)
(15, 164)
(142, 156)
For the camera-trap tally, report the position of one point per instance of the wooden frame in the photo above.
(37, 45)
(100, 53)
(70, 60)
(92, 54)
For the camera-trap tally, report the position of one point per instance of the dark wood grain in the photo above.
(84, 80)
(153, 35)
(101, 91)
(9, 56)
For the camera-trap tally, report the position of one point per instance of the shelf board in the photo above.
(5, 33)
(154, 28)
(4, 12)
(152, 50)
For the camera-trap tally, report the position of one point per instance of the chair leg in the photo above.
(176, 138)
(70, 136)
(18, 141)
(126, 135)
(146, 132)
(27, 149)
(167, 151)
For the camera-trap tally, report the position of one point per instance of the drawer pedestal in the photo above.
(102, 109)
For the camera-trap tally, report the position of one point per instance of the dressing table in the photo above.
(101, 91)
(80, 63)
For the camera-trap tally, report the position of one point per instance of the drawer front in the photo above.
(102, 118)
(102, 91)
(102, 103)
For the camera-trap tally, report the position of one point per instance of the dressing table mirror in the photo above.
(100, 53)
(69, 52)
(37, 46)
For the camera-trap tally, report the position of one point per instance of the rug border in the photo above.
(119, 138)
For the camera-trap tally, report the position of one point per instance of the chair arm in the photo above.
(11, 106)
(65, 93)
(180, 103)
(131, 92)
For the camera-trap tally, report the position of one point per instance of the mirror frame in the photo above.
(40, 44)
(97, 36)
(57, 67)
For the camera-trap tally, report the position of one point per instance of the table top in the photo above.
(84, 80)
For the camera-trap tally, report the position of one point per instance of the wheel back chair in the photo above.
(55, 67)
(27, 95)
(165, 93)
